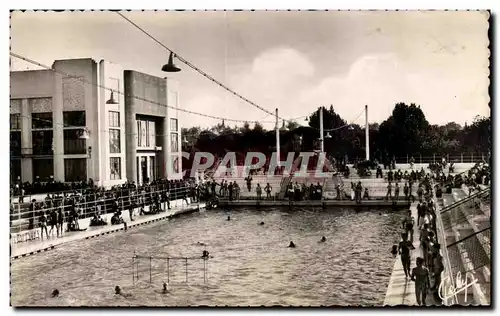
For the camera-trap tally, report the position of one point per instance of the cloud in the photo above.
(273, 80)
(284, 78)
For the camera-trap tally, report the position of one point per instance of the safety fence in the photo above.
(466, 226)
(436, 158)
(25, 217)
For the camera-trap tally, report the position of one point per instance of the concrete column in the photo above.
(165, 166)
(58, 132)
(131, 145)
(26, 142)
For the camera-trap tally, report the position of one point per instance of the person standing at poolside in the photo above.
(405, 246)
(389, 191)
(43, 224)
(420, 275)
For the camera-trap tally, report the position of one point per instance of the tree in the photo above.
(291, 125)
(477, 136)
(258, 127)
(405, 132)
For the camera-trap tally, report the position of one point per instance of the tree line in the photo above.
(406, 132)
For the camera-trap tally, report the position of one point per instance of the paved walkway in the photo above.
(24, 249)
(401, 290)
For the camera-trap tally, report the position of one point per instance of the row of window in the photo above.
(42, 142)
(70, 119)
(77, 119)
(75, 169)
(45, 120)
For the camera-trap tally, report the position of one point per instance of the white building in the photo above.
(128, 138)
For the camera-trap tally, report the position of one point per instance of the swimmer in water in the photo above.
(291, 245)
(118, 291)
(55, 293)
(201, 244)
(229, 218)
(205, 254)
(261, 223)
(165, 288)
(323, 239)
(394, 250)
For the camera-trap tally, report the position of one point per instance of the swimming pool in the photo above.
(251, 264)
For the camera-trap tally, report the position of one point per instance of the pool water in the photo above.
(251, 264)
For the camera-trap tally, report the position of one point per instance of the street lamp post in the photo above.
(321, 131)
(277, 139)
(367, 134)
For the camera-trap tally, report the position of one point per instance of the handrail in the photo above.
(88, 206)
(114, 188)
(464, 200)
(110, 191)
(172, 191)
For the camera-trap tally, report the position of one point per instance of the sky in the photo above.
(293, 61)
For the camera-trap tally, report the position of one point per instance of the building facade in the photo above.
(49, 112)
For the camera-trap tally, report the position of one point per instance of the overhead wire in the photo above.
(131, 96)
(201, 72)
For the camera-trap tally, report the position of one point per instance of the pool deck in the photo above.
(24, 249)
(315, 203)
(401, 290)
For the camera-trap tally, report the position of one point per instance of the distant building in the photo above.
(128, 138)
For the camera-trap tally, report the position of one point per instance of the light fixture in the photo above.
(328, 135)
(112, 99)
(283, 127)
(170, 67)
(84, 135)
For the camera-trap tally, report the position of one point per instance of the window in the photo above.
(75, 169)
(174, 142)
(74, 118)
(151, 134)
(43, 169)
(146, 133)
(152, 168)
(15, 121)
(175, 165)
(41, 120)
(15, 170)
(42, 142)
(142, 131)
(73, 145)
(116, 168)
(173, 125)
(114, 141)
(15, 143)
(114, 119)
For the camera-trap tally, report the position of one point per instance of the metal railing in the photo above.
(466, 233)
(24, 219)
(456, 158)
